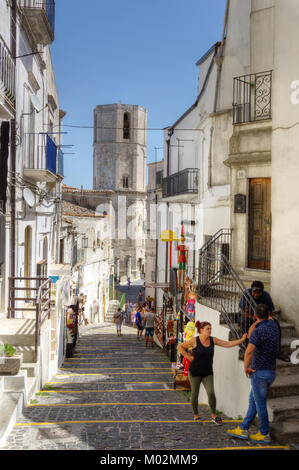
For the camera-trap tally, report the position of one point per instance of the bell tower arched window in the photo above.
(126, 128)
(125, 182)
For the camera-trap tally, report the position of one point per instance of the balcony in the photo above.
(7, 82)
(60, 170)
(40, 16)
(252, 98)
(183, 182)
(43, 160)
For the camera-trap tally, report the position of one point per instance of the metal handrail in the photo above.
(219, 285)
(214, 238)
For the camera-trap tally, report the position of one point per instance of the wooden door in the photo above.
(259, 230)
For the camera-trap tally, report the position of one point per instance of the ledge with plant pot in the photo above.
(10, 362)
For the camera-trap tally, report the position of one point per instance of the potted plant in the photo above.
(10, 362)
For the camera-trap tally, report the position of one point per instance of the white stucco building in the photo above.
(245, 155)
(31, 175)
(85, 244)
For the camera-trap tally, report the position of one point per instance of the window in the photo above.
(125, 182)
(61, 251)
(126, 129)
(158, 178)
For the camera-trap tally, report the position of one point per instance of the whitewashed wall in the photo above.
(232, 387)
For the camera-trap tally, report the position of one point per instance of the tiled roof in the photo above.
(73, 210)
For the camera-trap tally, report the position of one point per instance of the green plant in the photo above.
(42, 394)
(9, 350)
(48, 387)
(32, 402)
(218, 412)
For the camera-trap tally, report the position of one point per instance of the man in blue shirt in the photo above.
(260, 366)
(246, 314)
(139, 324)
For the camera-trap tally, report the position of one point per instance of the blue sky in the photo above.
(140, 52)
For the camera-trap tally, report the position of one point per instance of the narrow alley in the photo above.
(116, 394)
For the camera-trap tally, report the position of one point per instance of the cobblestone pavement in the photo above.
(115, 394)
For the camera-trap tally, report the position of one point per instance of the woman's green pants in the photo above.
(208, 383)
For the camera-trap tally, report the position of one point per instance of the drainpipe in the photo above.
(13, 32)
(219, 57)
(210, 158)
(170, 133)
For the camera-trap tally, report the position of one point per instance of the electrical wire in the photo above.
(131, 128)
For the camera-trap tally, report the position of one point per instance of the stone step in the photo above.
(285, 386)
(31, 368)
(288, 334)
(18, 331)
(247, 281)
(287, 329)
(284, 368)
(32, 388)
(11, 407)
(283, 408)
(28, 353)
(286, 432)
(285, 344)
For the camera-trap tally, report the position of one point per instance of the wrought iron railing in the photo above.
(41, 153)
(219, 286)
(7, 73)
(47, 5)
(252, 97)
(183, 182)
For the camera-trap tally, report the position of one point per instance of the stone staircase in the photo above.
(112, 309)
(283, 398)
(20, 333)
(16, 391)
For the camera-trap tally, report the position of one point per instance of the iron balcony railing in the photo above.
(183, 182)
(252, 97)
(32, 8)
(41, 153)
(7, 73)
(219, 286)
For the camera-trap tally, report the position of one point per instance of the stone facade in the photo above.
(119, 166)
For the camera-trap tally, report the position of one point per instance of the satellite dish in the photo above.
(36, 103)
(29, 197)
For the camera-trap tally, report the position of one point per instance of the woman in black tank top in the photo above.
(201, 367)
